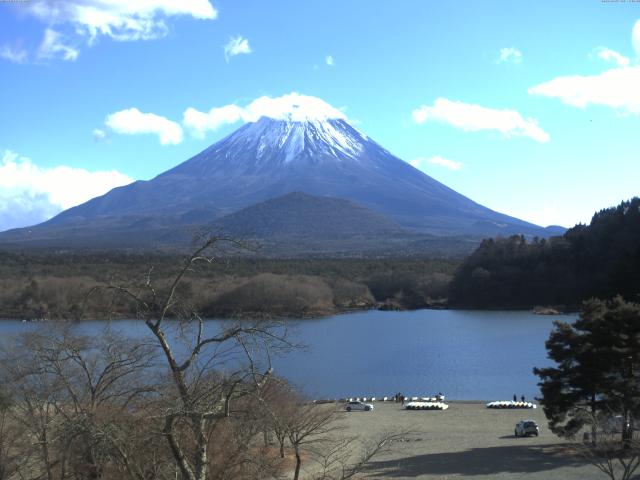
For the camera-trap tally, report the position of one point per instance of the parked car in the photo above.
(524, 428)
(358, 405)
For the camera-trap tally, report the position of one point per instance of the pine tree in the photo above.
(597, 372)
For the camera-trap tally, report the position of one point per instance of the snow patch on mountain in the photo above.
(294, 139)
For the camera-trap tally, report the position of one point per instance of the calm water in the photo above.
(464, 354)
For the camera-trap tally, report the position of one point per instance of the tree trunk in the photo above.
(594, 426)
(201, 447)
(44, 441)
(296, 474)
(178, 455)
(627, 432)
(92, 467)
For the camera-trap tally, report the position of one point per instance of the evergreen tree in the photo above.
(599, 260)
(597, 372)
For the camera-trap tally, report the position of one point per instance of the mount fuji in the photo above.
(312, 151)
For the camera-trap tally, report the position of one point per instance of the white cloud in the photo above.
(30, 194)
(635, 37)
(473, 118)
(52, 47)
(72, 23)
(509, 55)
(200, 122)
(236, 46)
(132, 122)
(292, 106)
(616, 88)
(329, 60)
(611, 56)
(13, 54)
(120, 19)
(99, 134)
(421, 163)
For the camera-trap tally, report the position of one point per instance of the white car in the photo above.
(525, 428)
(358, 405)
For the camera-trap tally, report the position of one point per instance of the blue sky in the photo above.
(530, 109)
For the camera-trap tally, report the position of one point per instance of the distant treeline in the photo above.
(55, 285)
(597, 260)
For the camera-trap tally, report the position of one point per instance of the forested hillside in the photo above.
(55, 286)
(601, 260)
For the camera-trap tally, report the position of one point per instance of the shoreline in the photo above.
(316, 315)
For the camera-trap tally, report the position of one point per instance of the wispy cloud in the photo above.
(99, 134)
(72, 24)
(473, 118)
(132, 122)
(611, 56)
(53, 47)
(30, 194)
(509, 55)
(421, 163)
(236, 46)
(329, 60)
(13, 54)
(616, 88)
(120, 19)
(292, 106)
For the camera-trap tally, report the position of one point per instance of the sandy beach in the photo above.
(467, 440)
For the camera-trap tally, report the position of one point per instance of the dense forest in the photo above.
(55, 285)
(601, 260)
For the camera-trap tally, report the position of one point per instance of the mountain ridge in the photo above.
(270, 158)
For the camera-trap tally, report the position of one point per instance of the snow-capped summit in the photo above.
(292, 107)
(292, 126)
(269, 142)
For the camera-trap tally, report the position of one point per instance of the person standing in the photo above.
(515, 399)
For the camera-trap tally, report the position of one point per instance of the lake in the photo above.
(467, 355)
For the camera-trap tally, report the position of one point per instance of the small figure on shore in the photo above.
(515, 399)
(522, 398)
(402, 399)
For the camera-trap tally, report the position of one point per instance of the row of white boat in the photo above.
(438, 398)
(510, 404)
(432, 403)
(426, 406)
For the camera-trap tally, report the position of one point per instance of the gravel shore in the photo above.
(467, 440)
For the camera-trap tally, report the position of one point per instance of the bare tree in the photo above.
(75, 395)
(280, 402)
(34, 397)
(13, 439)
(344, 458)
(309, 426)
(615, 455)
(209, 370)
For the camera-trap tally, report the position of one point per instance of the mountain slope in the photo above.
(268, 158)
(303, 215)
